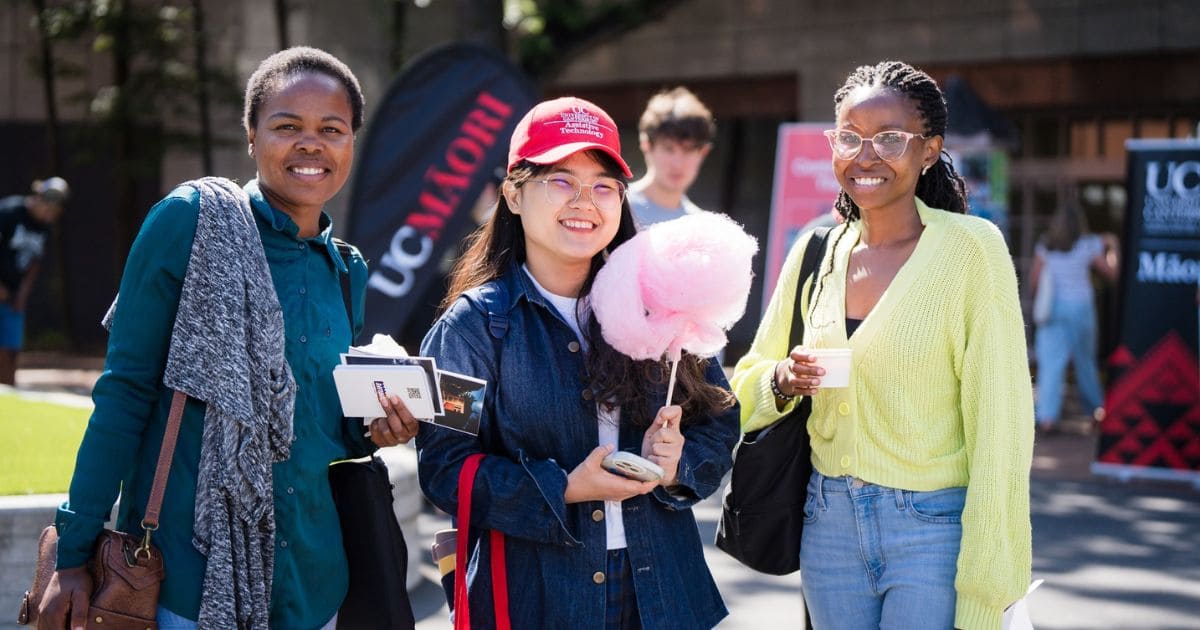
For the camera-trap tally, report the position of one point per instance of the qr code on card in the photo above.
(414, 393)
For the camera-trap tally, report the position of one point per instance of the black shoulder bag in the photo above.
(762, 515)
(376, 552)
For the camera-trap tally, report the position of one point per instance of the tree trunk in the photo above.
(200, 44)
(124, 135)
(49, 91)
(281, 23)
(59, 281)
(482, 22)
(396, 41)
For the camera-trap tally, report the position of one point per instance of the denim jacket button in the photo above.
(598, 515)
(587, 394)
(598, 577)
(573, 346)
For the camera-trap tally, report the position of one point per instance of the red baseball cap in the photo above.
(554, 130)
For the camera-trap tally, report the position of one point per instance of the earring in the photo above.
(250, 149)
(926, 169)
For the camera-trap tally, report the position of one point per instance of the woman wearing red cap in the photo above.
(583, 546)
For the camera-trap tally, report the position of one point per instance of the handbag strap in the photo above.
(165, 454)
(462, 611)
(808, 267)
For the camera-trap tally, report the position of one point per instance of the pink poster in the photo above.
(805, 190)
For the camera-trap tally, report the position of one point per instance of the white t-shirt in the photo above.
(1070, 270)
(647, 213)
(609, 416)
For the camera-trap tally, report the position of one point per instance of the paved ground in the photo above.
(1114, 555)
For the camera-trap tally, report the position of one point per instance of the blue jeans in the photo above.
(621, 610)
(1069, 337)
(874, 557)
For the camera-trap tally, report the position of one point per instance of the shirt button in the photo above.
(845, 461)
(598, 577)
(328, 332)
(844, 408)
(303, 339)
(587, 394)
(299, 245)
(598, 515)
(573, 346)
(283, 543)
(291, 490)
(303, 290)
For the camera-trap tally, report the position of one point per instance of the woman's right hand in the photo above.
(67, 597)
(799, 374)
(591, 482)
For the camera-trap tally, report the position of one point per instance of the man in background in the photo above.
(675, 134)
(25, 224)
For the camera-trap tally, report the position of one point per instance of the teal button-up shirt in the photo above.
(120, 447)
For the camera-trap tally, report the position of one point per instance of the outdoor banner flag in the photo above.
(439, 136)
(1152, 426)
(805, 190)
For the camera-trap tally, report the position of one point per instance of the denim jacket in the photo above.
(539, 422)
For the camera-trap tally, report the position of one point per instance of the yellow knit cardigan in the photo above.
(939, 394)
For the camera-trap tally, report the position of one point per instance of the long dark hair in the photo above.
(612, 376)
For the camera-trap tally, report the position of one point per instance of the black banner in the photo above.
(1152, 427)
(435, 141)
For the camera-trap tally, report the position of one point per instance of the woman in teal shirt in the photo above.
(302, 109)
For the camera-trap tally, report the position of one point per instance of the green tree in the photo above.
(549, 34)
(159, 79)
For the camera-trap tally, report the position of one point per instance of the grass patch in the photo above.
(39, 441)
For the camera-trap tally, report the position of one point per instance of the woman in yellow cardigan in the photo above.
(918, 507)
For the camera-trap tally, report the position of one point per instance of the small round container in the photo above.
(836, 362)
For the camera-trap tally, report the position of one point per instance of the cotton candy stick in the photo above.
(671, 385)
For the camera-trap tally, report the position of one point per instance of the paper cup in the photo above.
(836, 362)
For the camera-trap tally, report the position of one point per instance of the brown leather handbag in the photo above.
(126, 569)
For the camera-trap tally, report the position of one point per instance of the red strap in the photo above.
(499, 582)
(462, 611)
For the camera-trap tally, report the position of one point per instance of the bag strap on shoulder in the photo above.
(491, 299)
(344, 249)
(814, 251)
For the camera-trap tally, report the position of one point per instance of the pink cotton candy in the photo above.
(677, 285)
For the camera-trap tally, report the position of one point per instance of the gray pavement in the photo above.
(1114, 554)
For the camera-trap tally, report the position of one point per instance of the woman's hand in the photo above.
(66, 598)
(398, 427)
(591, 482)
(663, 443)
(799, 374)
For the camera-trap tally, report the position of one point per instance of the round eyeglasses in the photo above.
(563, 188)
(888, 145)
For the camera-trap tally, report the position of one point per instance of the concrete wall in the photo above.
(821, 41)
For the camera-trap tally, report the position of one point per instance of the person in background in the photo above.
(234, 297)
(1070, 253)
(675, 134)
(584, 547)
(25, 224)
(917, 513)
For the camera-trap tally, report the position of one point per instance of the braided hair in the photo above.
(940, 186)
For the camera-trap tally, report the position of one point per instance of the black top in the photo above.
(851, 326)
(22, 241)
